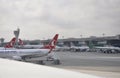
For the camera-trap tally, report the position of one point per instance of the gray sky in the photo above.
(40, 19)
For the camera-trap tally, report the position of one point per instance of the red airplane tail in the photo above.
(52, 43)
(20, 42)
(12, 43)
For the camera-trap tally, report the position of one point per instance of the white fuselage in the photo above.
(108, 49)
(111, 47)
(32, 46)
(23, 52)
(3, 48)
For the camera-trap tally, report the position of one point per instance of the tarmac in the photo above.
(94, 63)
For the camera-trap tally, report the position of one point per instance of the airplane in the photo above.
(107, 49)
(62, 48)
(28, 46)
(24, 54)
(17, 69)
(82, 48)
(79, 48)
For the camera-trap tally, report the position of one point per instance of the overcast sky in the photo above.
(38, 19)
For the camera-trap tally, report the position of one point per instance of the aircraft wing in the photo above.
(16, 69)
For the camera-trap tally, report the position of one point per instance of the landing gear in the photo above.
(49, 59)
(41, 62)
(56, 62)
(25, 58)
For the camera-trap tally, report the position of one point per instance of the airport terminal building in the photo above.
(93, 40)
(97, 41)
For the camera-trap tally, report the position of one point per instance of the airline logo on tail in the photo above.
(52, 44)
(12, 43)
